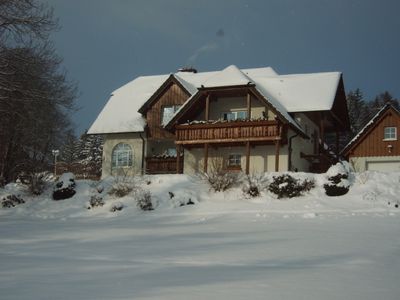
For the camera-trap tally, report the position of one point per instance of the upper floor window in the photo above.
(168, 112)
(122, 156)
(234, 115)
(390, 133)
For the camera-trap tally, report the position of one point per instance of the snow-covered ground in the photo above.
(226, 246)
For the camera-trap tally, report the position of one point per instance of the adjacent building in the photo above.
(376, 147)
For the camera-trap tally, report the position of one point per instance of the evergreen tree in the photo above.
(380, 101)
(69, 152)
(358, 110)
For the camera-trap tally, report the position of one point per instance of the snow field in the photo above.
(226, 246)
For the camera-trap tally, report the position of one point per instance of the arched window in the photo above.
(122, 156)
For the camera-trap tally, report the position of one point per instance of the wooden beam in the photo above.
(247, 157)
(207, 113)
(205, 158)
(277, 146)
(337, 142)
(322, 128)
(178, 158)
(248, 106)
(233, 140)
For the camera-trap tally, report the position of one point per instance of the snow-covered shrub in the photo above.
(254, 184)
(95, 201)
(37, 182)
(122, 186)
(11, 201)
(99, 188)
(338, 180)
(143, 199)
(221, 181)
(189, 202)
(121, 189)
(219, 178)
(64, 187)
(116, 207)
(286, 186)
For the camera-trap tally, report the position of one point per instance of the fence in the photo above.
(81, 171)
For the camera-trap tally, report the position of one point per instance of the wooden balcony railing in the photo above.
(222, 132)
(162, 165)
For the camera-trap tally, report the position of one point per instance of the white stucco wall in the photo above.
(301, 144)
(360, 164)
(110, 141)
(262, 158)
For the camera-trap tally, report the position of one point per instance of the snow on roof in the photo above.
(230, 76)
(277, 105)
(302, 92)
(287, 93)
(188, 85)
(260, 72)
(120, 114)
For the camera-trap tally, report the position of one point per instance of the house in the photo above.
(250, 120)
(376, 147)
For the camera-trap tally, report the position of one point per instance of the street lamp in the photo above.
(55, 153)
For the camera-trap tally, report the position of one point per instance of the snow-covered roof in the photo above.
(230, 76)
(120, 114)
(287, 93)
(301, 92)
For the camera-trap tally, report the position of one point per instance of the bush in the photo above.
(122, 186)
(338, 183)
(220, 182)
(220, 179)
(116, 207)
(143, 199)
(253, 185)
(11, 201)
(95, 201)
(286, 186)
(64, 187)
(37, 183)
(121, 189)
(335, 187)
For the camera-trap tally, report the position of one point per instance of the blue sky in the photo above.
(107, 43)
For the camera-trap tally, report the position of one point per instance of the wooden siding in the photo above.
(173, 95)
(240, 131)
(159, 165)
(372, 144)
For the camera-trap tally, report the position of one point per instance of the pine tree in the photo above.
(91, 152)
(380, 101)
(69, 150)
(358, 111)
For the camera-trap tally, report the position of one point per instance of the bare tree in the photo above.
(24, 20)
(35, 95)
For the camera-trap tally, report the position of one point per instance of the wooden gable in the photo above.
(171, 93)
(371, 142)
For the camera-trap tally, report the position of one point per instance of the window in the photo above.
(122, 156)
(390, 134)
(168, 112)
(234, 115)
(171, 152)
(234, 160)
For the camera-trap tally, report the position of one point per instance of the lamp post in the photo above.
(55, 153)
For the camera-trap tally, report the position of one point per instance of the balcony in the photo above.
(228, 132)
(163, 165)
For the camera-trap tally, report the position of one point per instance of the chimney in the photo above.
(188, 70)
